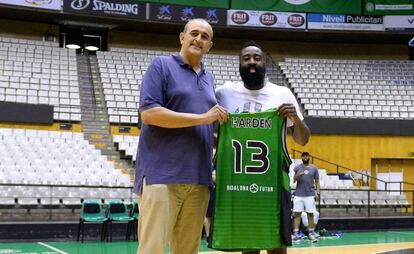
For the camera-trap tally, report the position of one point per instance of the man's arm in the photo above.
(301, 132)
(318, 188)
(297, 175)
(163, 117)
(152, 101)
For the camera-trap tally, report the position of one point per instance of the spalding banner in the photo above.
(119, 8)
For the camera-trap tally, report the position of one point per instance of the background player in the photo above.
(307, 178)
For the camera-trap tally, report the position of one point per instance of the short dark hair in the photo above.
(251, 43)
(305, 153)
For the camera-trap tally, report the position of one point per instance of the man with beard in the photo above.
(256, 94)
(307, 178)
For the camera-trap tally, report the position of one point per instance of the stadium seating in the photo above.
(128, 144)
(39, 157)
(366, 89)
(38, 72)
(337, 193)
(92, 212)
(118, 212)
(122, 71)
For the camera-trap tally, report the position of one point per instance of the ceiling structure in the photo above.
(124, 24)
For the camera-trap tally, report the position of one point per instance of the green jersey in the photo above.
(252, 209)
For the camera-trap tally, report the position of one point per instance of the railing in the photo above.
(340, 169)
(64, 190)
(367, 206)
(89, 74)
(364, 204)
(271, 65)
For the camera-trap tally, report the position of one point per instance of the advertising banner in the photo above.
(222, 4)
(118, 8)
(315, 6)
(400, 22)
(41, 4)
(183, 13)
(388, 7)
(266, 19)
(344, 22)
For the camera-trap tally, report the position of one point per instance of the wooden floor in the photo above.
(350, 249)
(354, 243)
(353, 249)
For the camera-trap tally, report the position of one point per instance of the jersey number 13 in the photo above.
(259, 158)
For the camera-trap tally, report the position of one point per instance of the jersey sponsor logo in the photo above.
(252, 188)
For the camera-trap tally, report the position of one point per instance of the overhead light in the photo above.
(73, 41)
(92, 42)
(92, 48)
(72, 46)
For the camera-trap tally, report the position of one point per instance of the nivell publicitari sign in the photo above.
(41, 4)
(344, 22)
(119, 8)
(266, 19)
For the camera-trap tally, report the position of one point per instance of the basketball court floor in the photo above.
(390, 242)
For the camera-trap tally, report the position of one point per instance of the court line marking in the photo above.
(402, 232)
(396, 249)
(52, 248)
(351, 245)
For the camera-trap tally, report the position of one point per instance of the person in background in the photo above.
(307, 178)
(210, 209)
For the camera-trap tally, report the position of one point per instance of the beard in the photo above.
(305, 161)
(255, 79)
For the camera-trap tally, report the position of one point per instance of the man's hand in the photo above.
(297, 175)
(288, 111)
(301, 132)
(216, 113)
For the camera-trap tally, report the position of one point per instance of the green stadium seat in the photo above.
(92, 212)
(118, 212)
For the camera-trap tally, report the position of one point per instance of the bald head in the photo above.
(200, 21)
